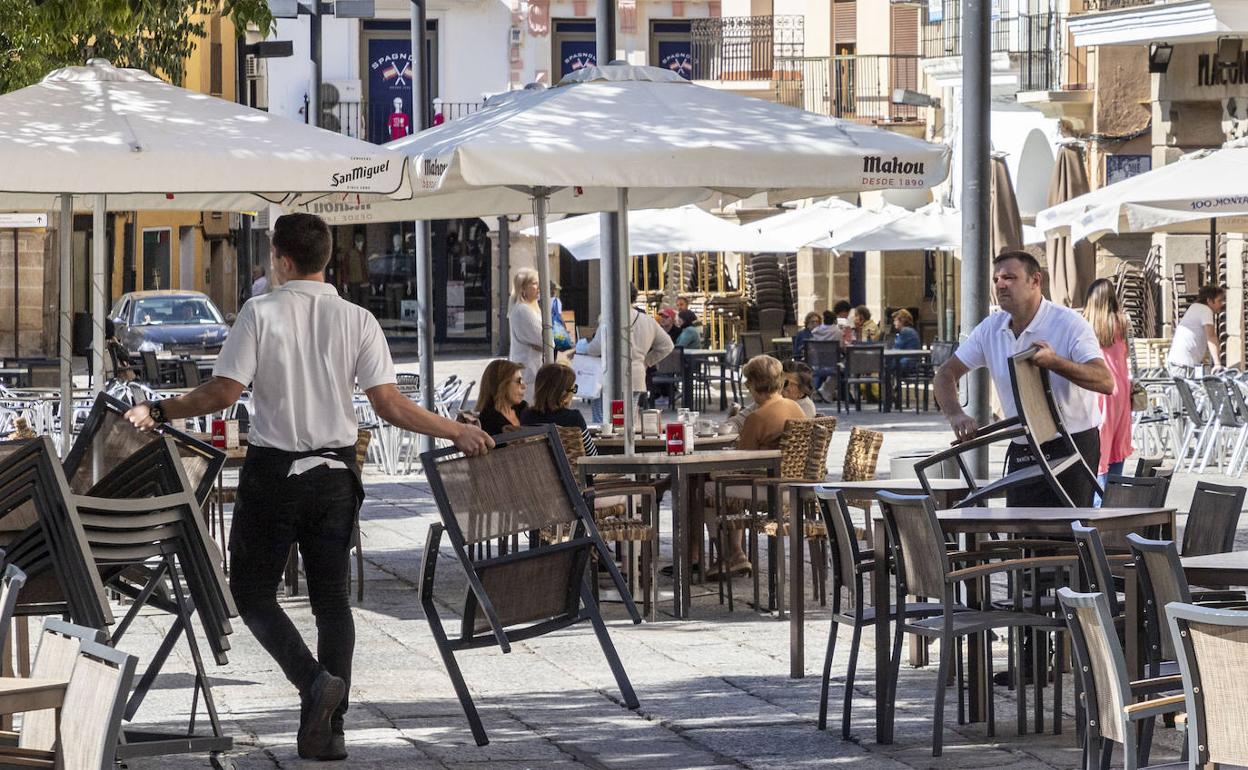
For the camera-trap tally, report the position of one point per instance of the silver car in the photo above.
(174, 321)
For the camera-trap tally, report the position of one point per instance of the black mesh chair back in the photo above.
(1213, 652)
(151, 367)
(524, 486)
(942, 351)
(864, 361)
(1147, 467)
(1135, 492)
(1094, 563)
(823, 356)
(1220, 401)
(673, 364)
(1212, 519)
(1162, 580)
(1187, 401)
(189, 373)
(751, 344)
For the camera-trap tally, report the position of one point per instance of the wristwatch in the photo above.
(156, 411)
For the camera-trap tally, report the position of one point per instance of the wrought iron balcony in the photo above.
(744, 47)
(857, 88)
(1046, 60)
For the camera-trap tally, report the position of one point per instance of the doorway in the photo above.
(156, 255)
(186, 258)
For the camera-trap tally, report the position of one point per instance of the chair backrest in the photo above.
(1146, 467)
(151, 367)
(1095, 564)
(734, 354)
(1188, 401)
(44, 375)
(10, 588)
(823, 356)
(916, 542)
(816, 467)
(1099, 660)
(862, 454)
(840, 525)
(55, 657)
(1220, 400)
(864, 359)
(95, 700)
(1033, 398)
(1212, 519)
(942, 351)
(751, 344)
(523, 486)
(1162, 580)
(770, 322)
(673, 363)
(1212, 646)
(1135, 492)
(573, 443)
(795, 449)
(189, 371)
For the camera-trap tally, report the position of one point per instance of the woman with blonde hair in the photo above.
(1111, 325)
(501, 398)
(525, 319)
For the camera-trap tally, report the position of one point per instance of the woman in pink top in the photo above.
(1105, 315)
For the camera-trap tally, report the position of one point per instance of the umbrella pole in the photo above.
(624, 330)
(1215, 279)
(99, 296)
(541, 203)
(67, 321)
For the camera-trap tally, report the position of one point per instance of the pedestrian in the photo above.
(259, 281)
(650, 345)
(353, 270)
(809, 324)
(1065, 345)
(525, 319)
(798, 385)
(1110, 323)
(501, 397)
(1196, 335)
(552, 403)
(690, 337)
(303, 350)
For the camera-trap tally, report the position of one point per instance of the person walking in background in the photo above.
(552, 403)
(1065, 345)
(525, 319)
(809, 324)
(304, 350)
(259, 281)
(1111, 326)
(650, 345)
(500, 400)
(1196, 335)
(690, 337)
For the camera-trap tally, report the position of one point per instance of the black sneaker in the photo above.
(319, 704)
(669, 570)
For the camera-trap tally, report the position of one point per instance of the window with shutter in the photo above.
(905, 29)
(844, 21)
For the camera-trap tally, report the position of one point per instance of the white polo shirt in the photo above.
(1190, 345)
(991, 344)
(303, 349)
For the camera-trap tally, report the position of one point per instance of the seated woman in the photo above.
(690, 337)
(907, 338)
(865, 330)
(798, 385)
(553, 389)
(502, 396)
(809, 324)
(764, 378)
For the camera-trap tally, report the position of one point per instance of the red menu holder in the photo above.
(617, 413)
(676, 432)
(218, 434)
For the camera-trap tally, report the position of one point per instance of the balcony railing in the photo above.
(744, 47)
(857, 88)
(1046, 60)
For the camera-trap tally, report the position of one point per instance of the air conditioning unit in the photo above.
(256, 71)
(216, 224)
(346, 90)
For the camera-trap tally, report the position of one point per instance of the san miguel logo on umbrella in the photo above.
(359, 176)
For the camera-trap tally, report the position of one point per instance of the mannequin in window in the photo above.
(398, 123)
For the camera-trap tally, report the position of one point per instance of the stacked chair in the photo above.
(520, 489)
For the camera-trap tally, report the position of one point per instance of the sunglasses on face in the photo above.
(572, 389)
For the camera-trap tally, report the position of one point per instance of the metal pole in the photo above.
(503, 333)
(609, 290)
(314, 33)
(976, 186)
(99, 295)
(624, 336)
(16, 291)
(67, 321)
(424, 253)
(541, 203)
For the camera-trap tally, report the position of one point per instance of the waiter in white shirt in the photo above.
(1065, 345)
(303, 349)
(1196, 336)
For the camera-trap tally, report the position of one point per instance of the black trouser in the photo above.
(1076, 483)
(317, 510)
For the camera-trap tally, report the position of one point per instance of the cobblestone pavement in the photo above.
(714, 690)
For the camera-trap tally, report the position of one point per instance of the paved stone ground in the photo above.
(714, 690)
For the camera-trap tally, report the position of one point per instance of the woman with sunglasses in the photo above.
(553, 391)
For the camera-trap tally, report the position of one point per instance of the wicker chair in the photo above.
(739, 499)
(524, 485)
(620, 521)
(1210, 644)
(1110, 701)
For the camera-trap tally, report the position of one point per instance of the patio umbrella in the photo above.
(806, 226)
(935, 227)
(110, 139)
(1200, 186)
(1072, 262)
(1007, 226)
(655, 231)
(635, 130)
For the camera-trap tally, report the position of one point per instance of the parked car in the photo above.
(175, 321)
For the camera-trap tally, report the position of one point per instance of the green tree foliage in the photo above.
(37, 36)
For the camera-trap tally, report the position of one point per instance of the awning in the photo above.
(1189, 22)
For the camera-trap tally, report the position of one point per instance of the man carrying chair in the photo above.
(303, 349)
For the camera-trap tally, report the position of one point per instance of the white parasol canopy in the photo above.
(1200, 186)
(933, 227)
(655, 231)
(791, 230)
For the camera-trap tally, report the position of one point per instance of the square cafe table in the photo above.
(981, 521)
(687, 473)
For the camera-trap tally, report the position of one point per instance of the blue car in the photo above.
(172, 321)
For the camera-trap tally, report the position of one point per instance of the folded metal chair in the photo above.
(522, 487)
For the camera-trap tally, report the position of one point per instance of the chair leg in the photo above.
(827, 675)
(457, 676)
(1059, 663)
(608, 649)
(847, 707)
(942, 675)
